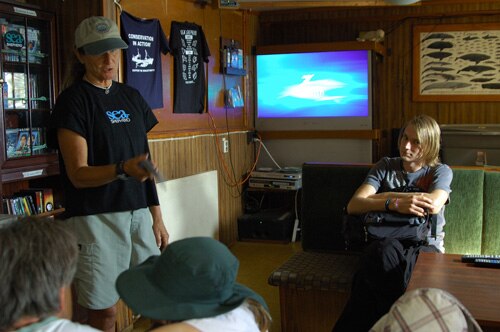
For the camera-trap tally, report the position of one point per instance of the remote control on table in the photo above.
(148, 166)
(472, 258)
(487, 262)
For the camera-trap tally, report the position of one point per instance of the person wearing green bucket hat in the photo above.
(193, 284)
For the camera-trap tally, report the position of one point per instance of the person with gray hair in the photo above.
(427, 309)
(38, 259)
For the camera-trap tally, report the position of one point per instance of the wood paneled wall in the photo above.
(183, 144)
(216, 23)
(392, 77)
(184, 156)
(186, 144)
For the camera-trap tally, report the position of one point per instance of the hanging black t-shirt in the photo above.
(145, 39)
(189, 48)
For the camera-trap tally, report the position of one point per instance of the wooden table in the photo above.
(478, 288)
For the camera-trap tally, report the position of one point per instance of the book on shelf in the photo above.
(5, 94)
(29, 202)
(34, 45)
(11, 142)
(13, 42)
(34, 139)
(23, 142)
(38, 142)
(26, 205)
(6, 206)
(47, 199)
(36, 197)
(17, 206)
(20, 143)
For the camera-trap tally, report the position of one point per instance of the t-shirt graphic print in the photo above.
(190, 49)
(145, 39)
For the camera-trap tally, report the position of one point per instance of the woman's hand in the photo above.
(159, 229)
(133, 168)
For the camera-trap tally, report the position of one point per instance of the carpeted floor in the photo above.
(257, 261)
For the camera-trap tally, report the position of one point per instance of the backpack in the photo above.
(409, 229)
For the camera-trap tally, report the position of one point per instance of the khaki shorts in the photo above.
(109, 244)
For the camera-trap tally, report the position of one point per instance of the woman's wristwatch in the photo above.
(120, 171)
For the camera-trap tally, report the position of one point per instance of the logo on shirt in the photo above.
(142, 62)
(118, 116)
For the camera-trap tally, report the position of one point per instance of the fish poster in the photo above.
(457, 61)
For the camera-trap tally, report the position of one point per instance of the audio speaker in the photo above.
(271, 224)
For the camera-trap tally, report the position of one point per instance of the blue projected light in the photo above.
(311, 87)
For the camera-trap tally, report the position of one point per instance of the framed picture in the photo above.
(458, 62)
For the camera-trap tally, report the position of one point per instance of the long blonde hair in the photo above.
(262, 317)
(429, 136)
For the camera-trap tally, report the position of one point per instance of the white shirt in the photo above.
(240, 319)
(53, 324)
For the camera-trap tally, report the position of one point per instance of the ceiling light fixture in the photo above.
(402, 2)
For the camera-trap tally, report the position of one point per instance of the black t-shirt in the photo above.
(189, 48)
(115, 126)
(145, 39)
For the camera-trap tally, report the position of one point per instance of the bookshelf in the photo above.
(27, 71)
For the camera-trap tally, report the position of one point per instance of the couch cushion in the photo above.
(491, 224)
(326, 189)
(464, 213)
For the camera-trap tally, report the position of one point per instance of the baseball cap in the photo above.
(97, 35)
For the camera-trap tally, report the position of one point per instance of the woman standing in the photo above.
(110, 200)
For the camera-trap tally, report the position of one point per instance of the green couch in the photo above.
(314, 284)
(472, 216)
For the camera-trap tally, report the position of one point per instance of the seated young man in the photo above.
(387, 264)
(38, 260)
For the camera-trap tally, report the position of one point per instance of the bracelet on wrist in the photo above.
(387, 202)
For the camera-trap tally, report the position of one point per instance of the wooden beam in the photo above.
(284, 4)
(298, 4)
(339, 46)
(322, 134)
